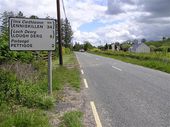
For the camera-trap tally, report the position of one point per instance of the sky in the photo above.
(103, 21)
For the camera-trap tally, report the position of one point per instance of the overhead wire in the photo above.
(64, 9)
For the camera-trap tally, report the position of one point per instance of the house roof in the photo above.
(135, 46)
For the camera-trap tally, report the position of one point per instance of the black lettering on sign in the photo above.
(29, 31)
(16, 21)
(13, 45)
(20, 35)
(36, 36)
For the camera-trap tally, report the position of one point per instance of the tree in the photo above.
(34, 17)
(5, 21)
(143, 40)
(4, 38)
(101, 47)
(20, 14)
(106, 46)
(77, 46)
(163, 38)
(66, 33)
(110, 46)
(117, 46)
(125, 46)
(5, 53)
(87, 46)
(135, 41)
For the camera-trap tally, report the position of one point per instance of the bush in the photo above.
(8, 85)
(22, 93)
(35, 97)
(67, 51)
(6, 54)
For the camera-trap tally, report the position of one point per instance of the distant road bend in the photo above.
(126, 95)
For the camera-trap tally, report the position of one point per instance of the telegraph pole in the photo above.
(59, 33)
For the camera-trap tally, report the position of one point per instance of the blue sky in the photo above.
(95, 24)
(101, 21)
(92, 26)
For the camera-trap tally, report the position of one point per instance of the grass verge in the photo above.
(158, 61)
(68, 74)
(23, 102)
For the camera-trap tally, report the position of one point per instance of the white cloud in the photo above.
(30, 7)
(83, 12)
(88, 36)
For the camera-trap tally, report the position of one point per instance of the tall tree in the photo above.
(110, 46)
(5, 53)
(5, 21)
(87, 46)
(143, 40)
(33, 17)
(20, 14)
(68, 33)
(163, 38)
(125, 46)
(77, 46)
(106, 46)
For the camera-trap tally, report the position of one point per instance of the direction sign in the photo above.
(32, 34)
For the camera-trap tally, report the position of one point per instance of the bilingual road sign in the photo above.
(32, 34)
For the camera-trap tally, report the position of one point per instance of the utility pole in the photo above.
(59, 33)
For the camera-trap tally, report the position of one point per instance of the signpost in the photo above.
(33, 34)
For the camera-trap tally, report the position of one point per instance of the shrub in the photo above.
(35, 96)
(67, 51)
(8, 85)
(23, 93)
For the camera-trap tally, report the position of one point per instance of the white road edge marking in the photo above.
(96, 116)
(85, 83)
(82, 72)
(117, 68)
(78, 61)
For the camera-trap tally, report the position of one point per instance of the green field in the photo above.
(158, 61)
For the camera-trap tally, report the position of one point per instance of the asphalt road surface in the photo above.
(126, 95)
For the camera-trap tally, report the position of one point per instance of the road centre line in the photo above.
(85, 83)
(82, 72)
(96, 116)
(117, 68)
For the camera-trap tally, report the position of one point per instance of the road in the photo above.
(126, 95)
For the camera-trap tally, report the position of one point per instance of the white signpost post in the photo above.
(34, 35)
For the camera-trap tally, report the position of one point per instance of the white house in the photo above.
(113, 46)
(140, 48)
